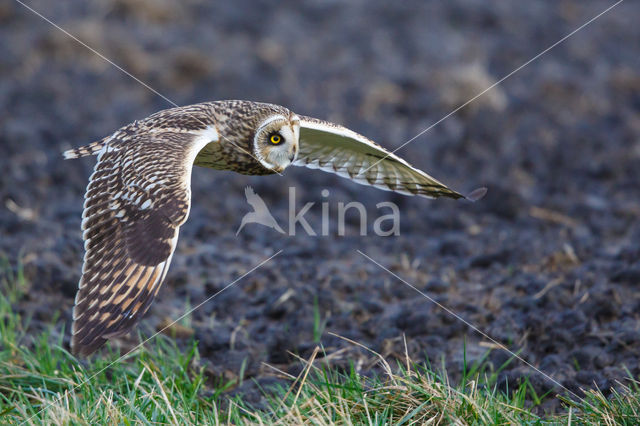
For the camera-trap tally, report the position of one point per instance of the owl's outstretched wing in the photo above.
(138, 197)
(336, 149)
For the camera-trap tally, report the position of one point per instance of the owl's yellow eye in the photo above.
(275, 138)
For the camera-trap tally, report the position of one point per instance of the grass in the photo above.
(40, 382)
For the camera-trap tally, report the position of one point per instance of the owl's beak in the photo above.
(294, 153)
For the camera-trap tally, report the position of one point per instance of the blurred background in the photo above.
(546, 263)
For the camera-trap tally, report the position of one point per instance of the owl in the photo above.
(139, 193)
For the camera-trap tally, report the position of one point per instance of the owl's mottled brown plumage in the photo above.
(139, 194)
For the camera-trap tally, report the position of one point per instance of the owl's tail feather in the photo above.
(92, 149)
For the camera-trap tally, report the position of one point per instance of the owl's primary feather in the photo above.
(139, 194)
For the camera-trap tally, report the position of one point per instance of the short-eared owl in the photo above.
(139, 194)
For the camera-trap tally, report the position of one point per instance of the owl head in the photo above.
(275, 141)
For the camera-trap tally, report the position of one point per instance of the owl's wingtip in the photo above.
(477, 194)
(84, 349)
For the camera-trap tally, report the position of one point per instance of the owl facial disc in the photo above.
(275, 143)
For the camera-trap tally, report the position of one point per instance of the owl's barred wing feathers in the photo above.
(137, 198)
(335, 149)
